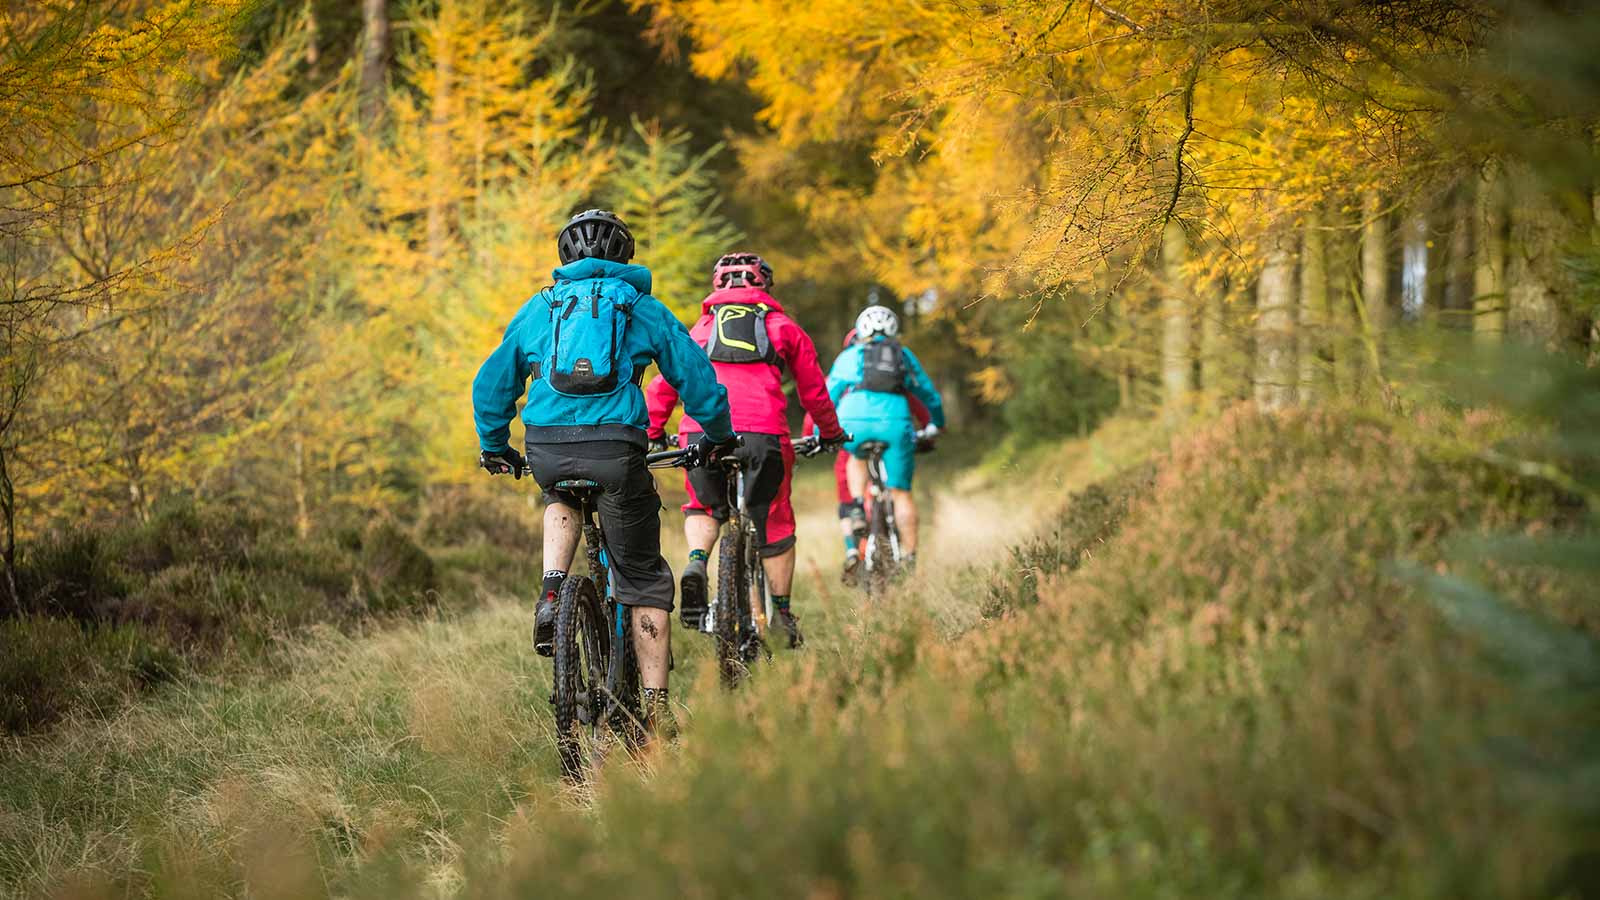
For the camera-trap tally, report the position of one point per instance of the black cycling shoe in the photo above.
(544, 625)
(789, 623)
(692, 611)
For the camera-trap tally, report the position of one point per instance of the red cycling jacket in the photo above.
(755, 390)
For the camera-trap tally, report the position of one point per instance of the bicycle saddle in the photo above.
(577, 485)
(874, 446)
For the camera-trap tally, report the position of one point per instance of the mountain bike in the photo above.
(739, 613)
(596, 670)
(882, 558)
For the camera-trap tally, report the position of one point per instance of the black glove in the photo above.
(503, 462)
(658, 445)
(705, 451)
(830, 444)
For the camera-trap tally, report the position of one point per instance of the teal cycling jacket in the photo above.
(653, 335)
(856, 405)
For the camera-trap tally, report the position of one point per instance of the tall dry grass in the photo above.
(1205, 683)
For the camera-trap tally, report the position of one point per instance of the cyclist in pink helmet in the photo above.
(753, 345)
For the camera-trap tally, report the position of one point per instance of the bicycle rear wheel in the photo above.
(752, 627)
(627, 713)
(732, 592)
(580, 657)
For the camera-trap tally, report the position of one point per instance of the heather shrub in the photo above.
(194, 587)
(1235, 694)
(51, 666)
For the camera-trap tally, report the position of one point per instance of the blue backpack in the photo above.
(588, 323)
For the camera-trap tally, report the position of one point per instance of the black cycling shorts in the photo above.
(765, 470)
(629, 508)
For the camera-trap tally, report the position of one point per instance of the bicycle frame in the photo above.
(878, 492)
(617, 615)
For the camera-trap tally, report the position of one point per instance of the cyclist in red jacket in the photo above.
(752, 343)
(841, 463)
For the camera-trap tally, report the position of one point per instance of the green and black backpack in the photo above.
(739, 334)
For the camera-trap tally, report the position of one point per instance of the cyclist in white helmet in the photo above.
(871, 384)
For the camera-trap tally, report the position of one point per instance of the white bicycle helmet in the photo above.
(876, 320)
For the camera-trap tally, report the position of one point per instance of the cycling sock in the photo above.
(780, 603)
(552, 582)
(849, 543)
(699, 555)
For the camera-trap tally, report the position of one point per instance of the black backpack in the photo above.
(739, 334)
(883, 367)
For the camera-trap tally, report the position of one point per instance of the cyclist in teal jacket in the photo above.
(581, 427)
(871, 383)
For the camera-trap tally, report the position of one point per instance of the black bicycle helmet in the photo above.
(595, 233)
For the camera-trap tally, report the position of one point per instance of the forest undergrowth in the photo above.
(1132, 665)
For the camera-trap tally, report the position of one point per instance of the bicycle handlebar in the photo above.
(811, 444)
(667, 459)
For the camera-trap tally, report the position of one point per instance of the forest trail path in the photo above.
(425, 737)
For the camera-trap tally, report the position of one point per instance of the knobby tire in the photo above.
(881, 555)
(732, 592)
(580, 663)
(628, 717)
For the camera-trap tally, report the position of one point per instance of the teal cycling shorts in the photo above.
(900, 460)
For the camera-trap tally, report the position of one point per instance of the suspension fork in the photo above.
(594, 541)
(879, 479)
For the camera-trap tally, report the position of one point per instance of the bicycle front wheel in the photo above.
(580, 658)
(880, 552)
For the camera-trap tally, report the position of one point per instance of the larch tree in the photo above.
(1313, 317)
(1275, 372)
(1533, 269)
(86, 86)
(1177, 329)
(668, 196)
(374, 71)
(1489, 254)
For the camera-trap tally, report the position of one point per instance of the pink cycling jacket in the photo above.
(755, 390)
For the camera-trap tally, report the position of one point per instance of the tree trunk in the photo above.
(302, 510)
(8, 518)
(1533, 306)
(1275, 368)
(1374, 263)
(440, 168)
(1313, 328)
(1457, 298)
(1340, 253)
(312, 51)
(1177, 357)
(1222, 359)
(374, 60)
(1489, 255)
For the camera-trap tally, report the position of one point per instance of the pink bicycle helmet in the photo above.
(734, 270)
